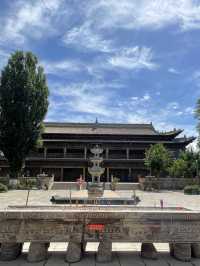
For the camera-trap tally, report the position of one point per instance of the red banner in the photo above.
(96, 227)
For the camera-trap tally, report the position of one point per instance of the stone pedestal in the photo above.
(195, 250)
(182, 251)
(148, 251)
(37, 252)
(10, 251)
(104, 253)
(74, 252)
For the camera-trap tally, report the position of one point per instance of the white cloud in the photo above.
(88, 98)
(173, 71)
(31, 19)
(61, 67)
(133, 58)
(152, 14)
(86, 37)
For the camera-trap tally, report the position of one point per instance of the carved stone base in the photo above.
(74, 252)
(182, 251)
(37, 252)
(148, 251)
(195, 250)
(10, 251)
(104, 253)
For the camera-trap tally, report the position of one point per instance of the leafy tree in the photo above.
(157, 159)
(23, 105)
(178, 168)
(186, 165)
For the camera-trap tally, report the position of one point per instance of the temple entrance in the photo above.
(72, 174)
(122, 174)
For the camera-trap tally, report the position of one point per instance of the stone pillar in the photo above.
(127, 153)
(74, 252)
(10, 251)
(61, 170)
(182, 251)
(85, 152)
(104, 253)
(38, 251)
(148, 251)
(195, 250)
(108, 174)
(107, 153)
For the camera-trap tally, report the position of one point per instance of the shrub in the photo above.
(3, 188)
(26, 183)
(4, 180)
(192, 190)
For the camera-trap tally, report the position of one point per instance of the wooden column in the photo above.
(127, 153)
(61, 179)
(85, 152)
(107, 153)
(65, 151)
(129, 172)
(108, 174)
(83, 173)
(45, 152)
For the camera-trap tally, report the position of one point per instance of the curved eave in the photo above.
(185, 141)
(172, 134)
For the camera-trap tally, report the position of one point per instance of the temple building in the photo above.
(66, 150)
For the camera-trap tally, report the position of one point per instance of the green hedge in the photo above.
(192, 190)
(3, 188)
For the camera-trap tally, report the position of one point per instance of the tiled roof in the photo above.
(99, 129)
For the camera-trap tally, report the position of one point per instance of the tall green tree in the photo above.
(157, 159)
(178, 168)
(23, 106)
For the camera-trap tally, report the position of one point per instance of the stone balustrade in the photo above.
(78, 225)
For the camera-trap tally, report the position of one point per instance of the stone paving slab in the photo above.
(173, 262)
(114, 262)
(56, 259)
(130, 259)
(119, 259)
(196, 262)
(87, 260)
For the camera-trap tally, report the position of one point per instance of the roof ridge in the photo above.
(99, 124)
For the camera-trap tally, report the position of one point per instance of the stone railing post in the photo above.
(10, 251)
(181, 251)
(74, 251)
(148, 251)
(104, 253)
(38, 251)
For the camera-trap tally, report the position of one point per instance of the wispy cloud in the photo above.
(30, 19)
(173, 71)
(152, 14)
(86, 37)
(133, 58)
(61, 67)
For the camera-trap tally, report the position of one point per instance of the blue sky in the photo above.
(121, 61)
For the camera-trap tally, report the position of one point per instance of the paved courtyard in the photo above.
(39, 197)
(124, 254)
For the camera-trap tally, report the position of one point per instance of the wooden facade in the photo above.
(66, 150)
